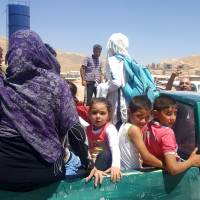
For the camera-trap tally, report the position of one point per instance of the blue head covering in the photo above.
(35, 101)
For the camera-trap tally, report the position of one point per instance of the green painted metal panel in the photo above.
(153, 185)
(197, 123)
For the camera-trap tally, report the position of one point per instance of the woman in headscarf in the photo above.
(37, 111)
(126, 78)
(117, 48)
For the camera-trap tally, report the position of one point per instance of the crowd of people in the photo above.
(48, 135)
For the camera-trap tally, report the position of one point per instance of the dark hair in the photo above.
(73, 88)
(97, 46)
(140, 102)
(104, 101)
(163, 102)
(50, 49)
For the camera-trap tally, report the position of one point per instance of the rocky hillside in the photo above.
(72, 61)
(193, 61)
(189, 65)
(69, 61)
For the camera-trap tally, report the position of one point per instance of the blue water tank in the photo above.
(18, 17)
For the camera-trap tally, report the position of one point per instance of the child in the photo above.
(130, 136)
(160, 139)
(103, 139)
(81, 108)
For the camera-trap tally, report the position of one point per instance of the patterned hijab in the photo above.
(35, 101)
(117, 44)
(26, 47)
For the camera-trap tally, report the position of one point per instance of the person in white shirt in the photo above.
(131, 144)
(115, 75)
(103, 141)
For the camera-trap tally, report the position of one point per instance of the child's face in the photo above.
(98, 114)
(167, 116)
(140, 118)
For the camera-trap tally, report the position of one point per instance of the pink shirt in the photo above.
(159, 139)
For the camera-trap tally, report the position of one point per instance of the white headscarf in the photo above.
(118, 43)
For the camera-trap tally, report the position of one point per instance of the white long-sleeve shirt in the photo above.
(113, 141)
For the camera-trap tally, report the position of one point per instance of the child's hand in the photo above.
(195, 158)
(98, 176)
(115, 174)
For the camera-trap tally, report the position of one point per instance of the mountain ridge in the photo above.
(71, 61)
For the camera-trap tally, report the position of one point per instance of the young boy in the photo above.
(130, 136)
(160, 139)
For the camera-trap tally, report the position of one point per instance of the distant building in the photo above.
(167, 66)
(197, 72)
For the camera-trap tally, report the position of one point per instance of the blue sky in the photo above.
(157, 29)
